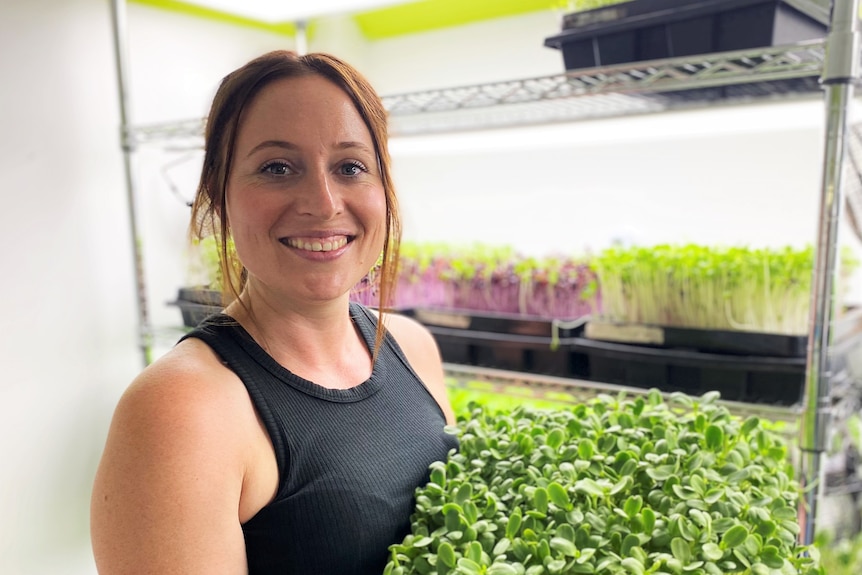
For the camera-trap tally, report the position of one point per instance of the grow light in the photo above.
(274, 11)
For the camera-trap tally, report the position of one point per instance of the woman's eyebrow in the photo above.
(350, 144)
(273, 144)
(285, 145)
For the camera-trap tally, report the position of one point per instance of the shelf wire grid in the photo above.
(776, 72)
(653, 86)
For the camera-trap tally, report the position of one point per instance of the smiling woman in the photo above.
(322, 187)
(288, 433)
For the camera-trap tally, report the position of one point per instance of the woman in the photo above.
(288, 434)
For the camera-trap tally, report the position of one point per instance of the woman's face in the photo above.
(305, 200)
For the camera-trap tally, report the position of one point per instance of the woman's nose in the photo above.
(319, 196)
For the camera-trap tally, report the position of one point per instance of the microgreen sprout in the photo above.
(616, 486)
(493, 279)
(738, 288)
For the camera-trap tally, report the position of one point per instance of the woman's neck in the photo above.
(318, 342)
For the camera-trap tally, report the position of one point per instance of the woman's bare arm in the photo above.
(167, 492)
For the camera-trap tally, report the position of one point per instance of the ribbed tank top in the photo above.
(349, 460)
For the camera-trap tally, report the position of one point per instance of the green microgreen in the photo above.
(739, 288)
(616, 486)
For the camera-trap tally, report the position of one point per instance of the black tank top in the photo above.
(349, 460)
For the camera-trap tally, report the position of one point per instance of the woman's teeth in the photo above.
(316, 245)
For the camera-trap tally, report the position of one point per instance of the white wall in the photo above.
(750, 176)
(495, 50)
(68, 325)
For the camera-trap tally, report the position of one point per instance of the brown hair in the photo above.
(234, 94)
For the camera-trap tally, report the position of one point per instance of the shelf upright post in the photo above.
(839, 74)
(301, 37)
(118, 21)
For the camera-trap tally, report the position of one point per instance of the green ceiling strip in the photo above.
(434, 14)
(283, 28)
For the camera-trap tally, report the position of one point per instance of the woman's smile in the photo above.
(317, 244)
(321, 249)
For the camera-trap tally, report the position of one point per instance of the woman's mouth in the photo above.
(317, 244)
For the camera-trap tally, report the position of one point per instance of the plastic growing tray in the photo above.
(747, 367)
(750, 378)
(503, 341)
(704, 340)
(657, 29)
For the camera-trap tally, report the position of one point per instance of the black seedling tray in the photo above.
(753, 379)
(732, 342)
(197, 303)
(200, 295)
(194, 313)
(525, 353)
(657, 29)
(706, 340)
(497, 323)
(746, 367)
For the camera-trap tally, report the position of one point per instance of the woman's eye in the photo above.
(352, 169)
(276, 169)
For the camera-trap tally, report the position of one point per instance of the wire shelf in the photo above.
(777, 72)
(181, 134)
(539, 386)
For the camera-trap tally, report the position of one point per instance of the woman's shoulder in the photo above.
(408, 331)
(186, 390)
(176, 455)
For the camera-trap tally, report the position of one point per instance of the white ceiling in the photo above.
(273, 11)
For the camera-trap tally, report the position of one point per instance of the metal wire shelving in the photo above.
(746, 76)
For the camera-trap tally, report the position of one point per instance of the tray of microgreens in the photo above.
(613, 486)
(723, 299)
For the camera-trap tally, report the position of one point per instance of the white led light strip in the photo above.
(275, 11)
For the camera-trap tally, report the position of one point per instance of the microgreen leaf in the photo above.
(555, 438)
(503, 569)
(540, 500)
(633, 505)
(586, 449)
(501, 546)
(714, 437)
(564, 546)
(633, 566)
(712, 552)
(468, 566)
(734, 537)
(446, 554)
(514, 523)
(681, 550)
(771, 557)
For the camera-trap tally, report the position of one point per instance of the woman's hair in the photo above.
(236, 91)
